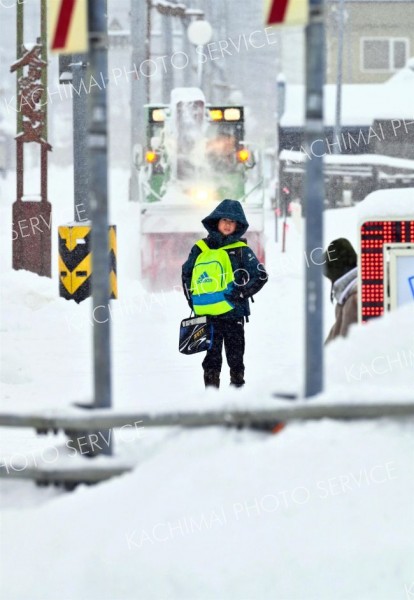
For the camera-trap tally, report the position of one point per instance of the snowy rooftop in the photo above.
(405, 75)
(361, 103)
(387, 204)
(296, 156)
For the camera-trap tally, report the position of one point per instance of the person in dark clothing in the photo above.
(226, 225)
(342, 270)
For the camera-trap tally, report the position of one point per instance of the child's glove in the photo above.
(235, 295)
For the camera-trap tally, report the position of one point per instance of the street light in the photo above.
(199, 33)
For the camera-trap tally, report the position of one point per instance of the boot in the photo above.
(237, 378)
(211, 378)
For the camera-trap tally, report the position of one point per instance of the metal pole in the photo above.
(98, 201)
(280, 109)
(285, 199)
(314, 198)
(339, 77)
(98, 420)
(200, 69)
(186, 48)
(19, 123)
(139, 87)
(148, 48)
(80, 157)
(167, 78)
(19, 53)
(43, 151)
(43, 35)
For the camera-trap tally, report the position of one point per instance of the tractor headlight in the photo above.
(202, 195)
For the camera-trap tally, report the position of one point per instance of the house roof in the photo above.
(361, 103)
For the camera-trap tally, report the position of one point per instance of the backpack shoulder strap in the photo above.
(234, 245)
(202, 245)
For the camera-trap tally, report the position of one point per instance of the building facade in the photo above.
(378, 39)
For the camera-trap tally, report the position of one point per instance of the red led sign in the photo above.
(374, 234)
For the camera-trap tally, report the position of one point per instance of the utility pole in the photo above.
(19, 53)
(98, 202)
(280, 109)
(314, 198)
(80, 155)
(140, 42)
(168, 76)
(186, 48)
(335, 193)
(339, 74)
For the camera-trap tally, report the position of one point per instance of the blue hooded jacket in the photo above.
(250, 275)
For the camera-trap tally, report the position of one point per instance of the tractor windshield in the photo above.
(223, 138)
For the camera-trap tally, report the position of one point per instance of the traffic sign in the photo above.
(67, 26)
(286, 12)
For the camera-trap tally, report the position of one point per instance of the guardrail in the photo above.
(70, 475)
(108, 419)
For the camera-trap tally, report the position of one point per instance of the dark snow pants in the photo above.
(231, 332)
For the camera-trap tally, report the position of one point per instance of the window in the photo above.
(384, 54)
(400, 53)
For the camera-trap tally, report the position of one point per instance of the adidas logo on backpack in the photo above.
(204, 278)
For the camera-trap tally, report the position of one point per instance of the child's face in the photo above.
(226, 226)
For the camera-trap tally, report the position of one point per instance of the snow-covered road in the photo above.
(321, 510)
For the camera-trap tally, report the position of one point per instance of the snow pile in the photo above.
(376, 361)
(316, 512)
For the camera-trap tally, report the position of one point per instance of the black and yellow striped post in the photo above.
(75, 264)
(113, 278)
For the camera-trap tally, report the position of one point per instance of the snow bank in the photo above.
(376, 360)
(316, 512)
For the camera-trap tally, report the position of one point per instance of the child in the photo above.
(341, 269)
(228, 307)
